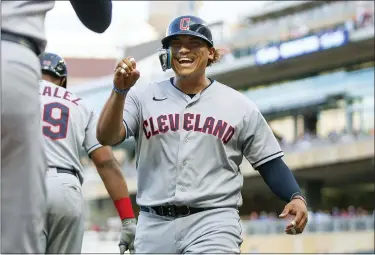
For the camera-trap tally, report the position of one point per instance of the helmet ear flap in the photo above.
(165, 58)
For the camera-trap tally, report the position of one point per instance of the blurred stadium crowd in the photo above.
(316, 215)
(350, 15)
(316, 218)
(326, 105)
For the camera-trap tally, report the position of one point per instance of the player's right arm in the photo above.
(110, 128)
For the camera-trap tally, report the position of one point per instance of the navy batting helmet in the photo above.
(188, 25)
(53, 64)
(183, 25)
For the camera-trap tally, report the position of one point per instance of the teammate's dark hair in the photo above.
(50, 74)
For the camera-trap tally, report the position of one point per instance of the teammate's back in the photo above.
(67, 125)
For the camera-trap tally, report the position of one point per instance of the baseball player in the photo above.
(67, 125)
(23, 192)
(192, 133)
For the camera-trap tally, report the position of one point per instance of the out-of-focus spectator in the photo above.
(304, 141)
(333, 136)
(351, 211)
(361, 212)
(263, 215)
(253, 216)
(322, 217)
(335, 212)
(364, 14)
(96, 228)
(344, 213)
(272, 216)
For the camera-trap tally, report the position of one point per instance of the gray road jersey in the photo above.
(189, 150)
(68, 125)
(26, 18)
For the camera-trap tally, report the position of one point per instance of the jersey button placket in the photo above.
(179, 186)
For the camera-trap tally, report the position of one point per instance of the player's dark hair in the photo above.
(217, 56)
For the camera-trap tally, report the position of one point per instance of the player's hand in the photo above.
(298, 209)
(126, 74)
(127, 235)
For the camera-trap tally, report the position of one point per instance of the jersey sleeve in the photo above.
(131, 113)
(90, 142)
(259, 143)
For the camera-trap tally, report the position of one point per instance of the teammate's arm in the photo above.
(110, 128)
(96, 15)
(110, 173)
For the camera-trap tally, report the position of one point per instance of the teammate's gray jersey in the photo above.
(189, 150)
(67, 125)
(26, 18)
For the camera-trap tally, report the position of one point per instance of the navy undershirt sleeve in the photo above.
(279, 178)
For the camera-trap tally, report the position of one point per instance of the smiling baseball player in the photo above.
(192, 133)
(69, 125)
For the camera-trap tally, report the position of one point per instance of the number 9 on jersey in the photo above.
(57, 116)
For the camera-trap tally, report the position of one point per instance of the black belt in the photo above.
(74, 172)
(173, 210)
(23, 40)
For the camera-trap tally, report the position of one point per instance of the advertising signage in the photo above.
(301, 46)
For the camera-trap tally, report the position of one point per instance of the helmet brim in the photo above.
(166, 40)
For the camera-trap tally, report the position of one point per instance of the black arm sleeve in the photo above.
(96, 15)
(279, 178)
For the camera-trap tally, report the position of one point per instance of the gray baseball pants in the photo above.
(64, 228)
(211, 231)
(23, 191)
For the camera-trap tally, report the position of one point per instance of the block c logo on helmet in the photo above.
(185, 24)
